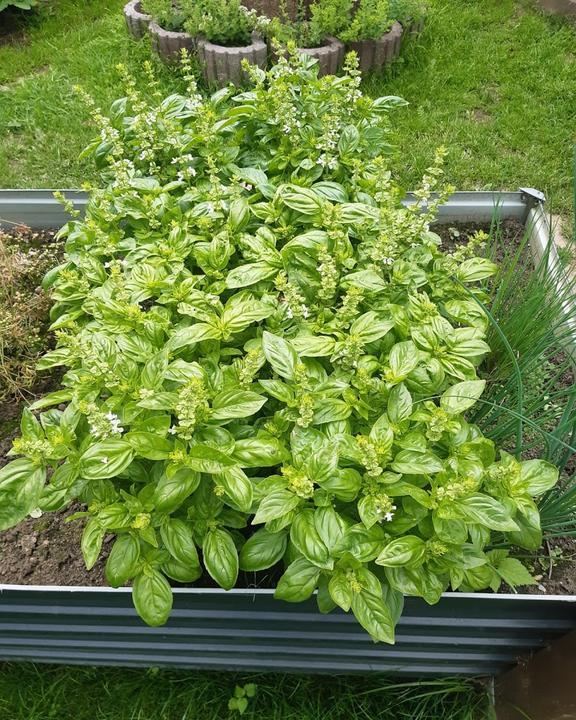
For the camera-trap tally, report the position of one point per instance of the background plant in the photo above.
(20, 4)
(530, 403)
(24, 260)
(169, 14)
(224, 22)
(258, 332)
(407, 11)
(367, 20)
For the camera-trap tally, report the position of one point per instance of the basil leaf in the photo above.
(275, 505)
(173, 489)
(221, 557)
(462, 396)
(307, 540)
(91, 543)
(263, 550)
(206, 459)
(407, 551)
(106, 459)
(373, 614)
(177, 538)
(485, 510)
(538, 476)
(122, 563)
(298, 582)
(237, 486)
(152, 597)
(236, 404)
(280, 354)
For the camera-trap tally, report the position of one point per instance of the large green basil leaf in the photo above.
(538, 476)
(280, 354)
(91, 543)
(363, 543)
(340, 590)
(177, 538)
(330, 526)
(399, 403)
(301, 199)
(259, 452)
(275, 505)
(236, 404)
(485, 510)
(407, 551)
(307, 540)
(475, 269)
(152, 597)
(404, 358)
(237, 486)
(174, 488)
(369, 327)
(298, 582)
(192, 335)
(106, 459)
(21, 486)
(123, 562)
(462, 396)
(372, 613)
(221, 557)
(250, 274)
(149, 445)
(263, 550)
(206, 459)
(413, 462)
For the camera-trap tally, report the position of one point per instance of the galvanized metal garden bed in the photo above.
(243, 629)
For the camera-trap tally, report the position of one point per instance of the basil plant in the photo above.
(269, 360)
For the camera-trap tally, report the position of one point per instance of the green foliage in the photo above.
(258, 333)
(368, 20)
(407, 11)
(141, 694)
(241, 697)
(224, 22)
(20, 4)
(345, 19)
(168, 14)
(530, 404)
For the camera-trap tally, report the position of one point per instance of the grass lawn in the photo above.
(52, 693)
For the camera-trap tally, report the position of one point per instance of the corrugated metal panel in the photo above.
(39, 209)
(249, 630)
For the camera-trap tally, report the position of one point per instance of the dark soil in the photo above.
(13, 23)
(556, 569)
(46, 550)
(510, 234)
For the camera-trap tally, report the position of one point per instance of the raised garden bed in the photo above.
(168, 44)
(222, 64)
(375, 54)
(468, 634)
(137, 21)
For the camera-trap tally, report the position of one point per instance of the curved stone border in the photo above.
(136, 21)
(330, 56)
(221, 64)
(168, 44)
(374, 54)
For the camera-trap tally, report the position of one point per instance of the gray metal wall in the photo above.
(243, 630)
